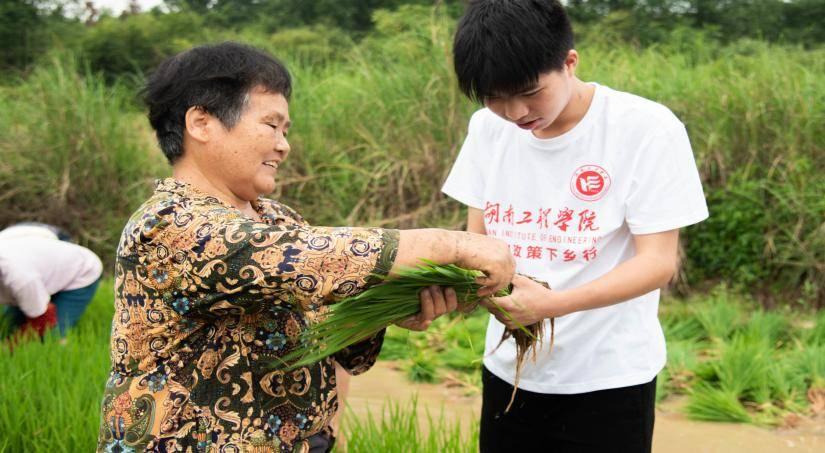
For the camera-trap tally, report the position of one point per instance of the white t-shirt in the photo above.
(35, 265)
(568, 207)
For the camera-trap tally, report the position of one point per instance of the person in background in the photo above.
(45, 281)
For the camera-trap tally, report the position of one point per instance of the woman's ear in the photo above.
(197, 123)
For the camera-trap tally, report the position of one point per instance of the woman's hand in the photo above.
(489, 255)
(529, 303)
(435, 301)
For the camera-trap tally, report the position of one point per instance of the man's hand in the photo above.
(435, 301)
(529, 303)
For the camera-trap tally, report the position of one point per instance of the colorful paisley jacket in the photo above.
(204, 298)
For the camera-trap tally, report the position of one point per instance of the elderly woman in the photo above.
(214, 282)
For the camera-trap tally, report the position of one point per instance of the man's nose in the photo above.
(515, 110)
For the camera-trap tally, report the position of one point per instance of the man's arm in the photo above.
(652, 267)
(475, 221)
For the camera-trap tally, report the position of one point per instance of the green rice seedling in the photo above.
(401, 428)
(422, 368)
(720, 316)
(815, 336)
(769, 327)
(806, 368)
(744, 367)
(715, 404)
(678, 328)
(396, 299)
(461, 359)
(361, 316)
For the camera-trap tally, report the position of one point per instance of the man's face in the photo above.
(538, 106)
(245, 159)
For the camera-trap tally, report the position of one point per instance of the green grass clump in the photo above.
(715, 404)
(720, 316)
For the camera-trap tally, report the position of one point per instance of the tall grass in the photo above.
(73, 152)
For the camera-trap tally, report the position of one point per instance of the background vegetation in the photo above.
(378, 119)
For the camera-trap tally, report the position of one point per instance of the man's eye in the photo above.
(531, 94)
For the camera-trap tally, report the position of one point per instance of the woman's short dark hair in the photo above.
(216, 78)
(503, 46)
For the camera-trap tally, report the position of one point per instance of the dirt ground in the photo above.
(674, 433)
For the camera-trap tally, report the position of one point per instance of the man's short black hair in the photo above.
(503, 46)
(216, 78)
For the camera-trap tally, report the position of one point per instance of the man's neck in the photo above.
(573, 112)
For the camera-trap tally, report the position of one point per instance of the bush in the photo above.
(134, 44)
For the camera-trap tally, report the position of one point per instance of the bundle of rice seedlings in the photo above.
(396, 299)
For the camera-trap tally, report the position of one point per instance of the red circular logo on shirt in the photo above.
(590, 182)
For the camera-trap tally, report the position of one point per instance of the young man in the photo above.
(589, 187)
(214, 282)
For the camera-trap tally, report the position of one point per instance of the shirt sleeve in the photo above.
(361, 356)
(243, 263)
(465, 183)
(666, 192)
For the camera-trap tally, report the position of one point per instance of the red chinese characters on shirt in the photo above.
(491, 214)
(544, 218)
(576, 228)
(586, 220)
(565, 216)
(508, 216)
(533, 252)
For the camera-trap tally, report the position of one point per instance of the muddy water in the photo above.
(673, 434)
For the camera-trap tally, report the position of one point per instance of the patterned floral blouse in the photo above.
(205, 298)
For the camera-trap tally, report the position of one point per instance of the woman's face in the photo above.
(245, 158)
